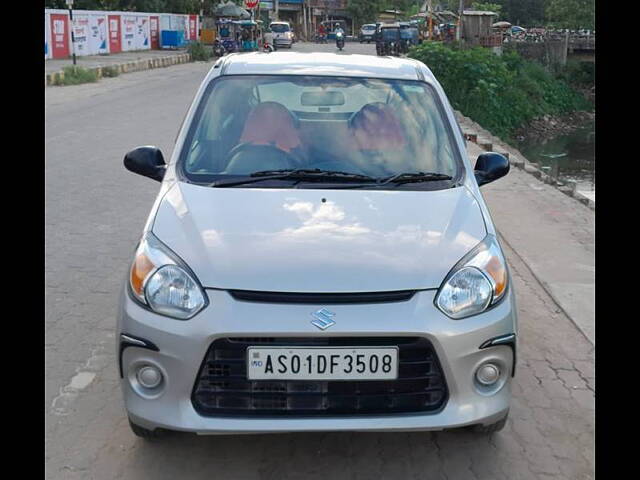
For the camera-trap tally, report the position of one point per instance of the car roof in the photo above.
(321, 63)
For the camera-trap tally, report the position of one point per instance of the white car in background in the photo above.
(282, 34)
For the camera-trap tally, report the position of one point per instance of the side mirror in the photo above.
(146, 161)
(490, 166)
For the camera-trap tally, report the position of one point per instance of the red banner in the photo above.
(59, 35)
(154, 27)
(193, 31)
(115, 34)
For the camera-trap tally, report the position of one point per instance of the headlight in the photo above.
(164, 283)
(478, 281)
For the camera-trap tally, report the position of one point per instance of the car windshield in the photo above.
(280, 28)
(390, 33)
(369, 127)
(368, 27)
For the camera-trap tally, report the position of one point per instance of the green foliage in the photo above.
(364, 11)
(198, 51)
(579, 74)
(526, 13)
(488, 7)
(74, 75)
(501, 93)
(572, 14)
(169, 6)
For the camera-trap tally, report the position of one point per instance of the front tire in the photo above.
(145, 433)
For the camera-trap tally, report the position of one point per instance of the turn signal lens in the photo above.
(140, 269)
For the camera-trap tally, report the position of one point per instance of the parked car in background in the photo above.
(282, 34)
(367, 32)
(319, 258)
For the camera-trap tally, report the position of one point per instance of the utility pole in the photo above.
(277, 10)
(429, 14)
(73, 39)
(459, 29)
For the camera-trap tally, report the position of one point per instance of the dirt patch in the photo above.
(549, 126)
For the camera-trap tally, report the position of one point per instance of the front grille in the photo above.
(222, 387)
(323, 298)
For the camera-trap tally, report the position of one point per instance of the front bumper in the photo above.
(283, 42)
(182, 345)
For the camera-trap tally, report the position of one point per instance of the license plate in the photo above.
(320, 363)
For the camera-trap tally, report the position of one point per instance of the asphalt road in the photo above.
(94, 214)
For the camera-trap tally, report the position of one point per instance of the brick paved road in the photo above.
(95, 211)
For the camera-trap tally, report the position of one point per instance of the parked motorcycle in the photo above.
(340, 40)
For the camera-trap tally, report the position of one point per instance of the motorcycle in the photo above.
(340, 40)
(218, 49)
(267, 47)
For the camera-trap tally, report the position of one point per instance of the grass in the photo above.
(74, 75)
(199, 52)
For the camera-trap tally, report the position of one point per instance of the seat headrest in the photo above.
(271, 123)
(376, 127)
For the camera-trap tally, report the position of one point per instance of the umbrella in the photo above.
(516, 29)
(501, 25)
(230, 9)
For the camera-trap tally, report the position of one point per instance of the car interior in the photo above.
(246, 128)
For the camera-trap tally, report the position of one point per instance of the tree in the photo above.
(571, 14)
(364, 11)
(488, 7)
(527, 13)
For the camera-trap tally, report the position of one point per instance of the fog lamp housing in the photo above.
(488, 374)
(149, 376)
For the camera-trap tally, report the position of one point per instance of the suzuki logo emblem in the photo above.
(323, 318)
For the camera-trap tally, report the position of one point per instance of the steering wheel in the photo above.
(246, 158)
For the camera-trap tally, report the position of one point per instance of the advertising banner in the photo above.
(60, 36)
(115, 45)
(47, 36)
(154, 28)
(128, 32)
(98, 34)
(142, 34)
(193, 27)
(81, 34)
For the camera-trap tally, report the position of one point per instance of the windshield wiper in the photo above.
(414, 177)
(294, 174)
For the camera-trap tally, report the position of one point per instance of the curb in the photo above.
(519, 161)
(128, 67)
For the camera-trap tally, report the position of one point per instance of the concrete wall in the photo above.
(92, 30)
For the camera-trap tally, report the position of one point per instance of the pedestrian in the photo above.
(321, 32)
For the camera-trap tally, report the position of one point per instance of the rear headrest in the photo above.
(376, 127)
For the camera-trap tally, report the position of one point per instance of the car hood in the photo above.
(324, 241)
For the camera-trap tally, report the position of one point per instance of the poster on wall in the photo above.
(47, 36)
(154, 29)
(142, 34)
(128, 32)
(81, 34)
(193, 27)
(114, 34)
(60, 37)
(98, 34)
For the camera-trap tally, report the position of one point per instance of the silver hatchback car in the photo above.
(319, 258)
